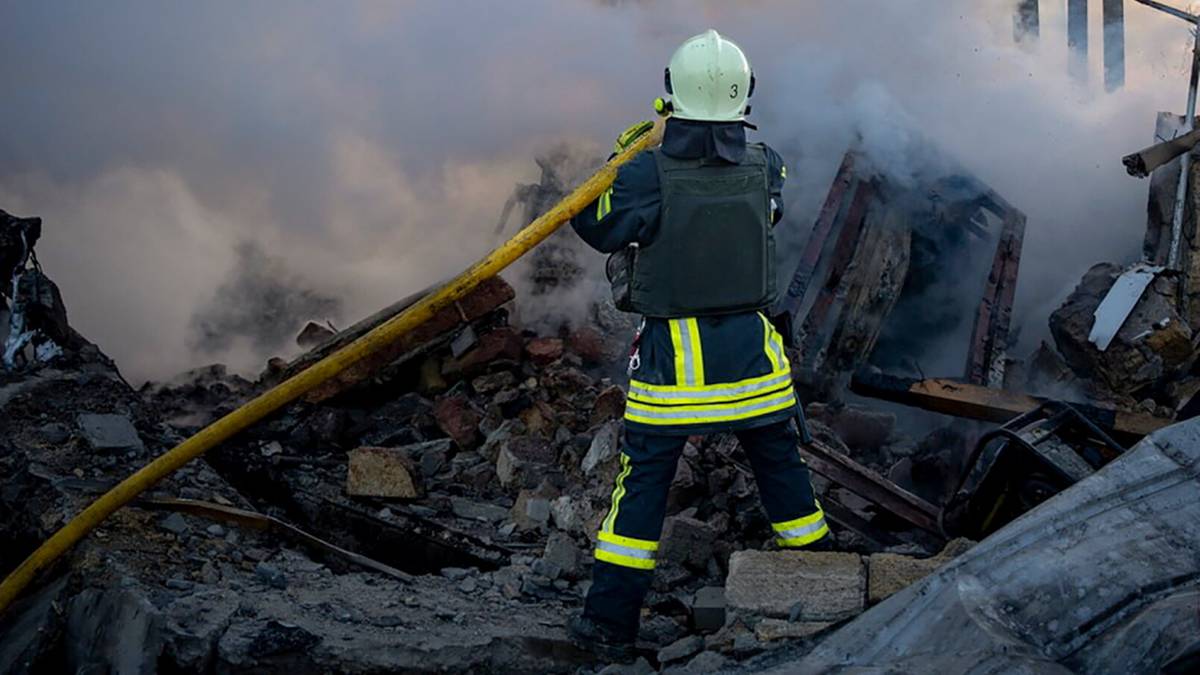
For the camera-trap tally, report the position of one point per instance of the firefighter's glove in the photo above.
(630, 135)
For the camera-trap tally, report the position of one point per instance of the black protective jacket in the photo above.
(703, 374)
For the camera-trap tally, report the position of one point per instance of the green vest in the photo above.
(714, 252)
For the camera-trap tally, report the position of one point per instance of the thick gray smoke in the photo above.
(262, 306)
(372, 145)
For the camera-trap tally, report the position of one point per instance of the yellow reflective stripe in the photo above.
(802, 531)
(718, 394)
(804, 521)
(705, 414)
(673, 389)
(804, 540)
(628, 542)
(624, 560)
(697, 353)
(783, 171)
(604, 204)
(758, 401)
(618, 493)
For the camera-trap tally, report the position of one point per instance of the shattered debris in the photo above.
(1033, 597)
(893, 271)
(385, 521)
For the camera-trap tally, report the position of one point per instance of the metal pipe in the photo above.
(1185, 163)
(1189, 124)
(1147, 160)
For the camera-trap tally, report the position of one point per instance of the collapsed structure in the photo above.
(387, 520)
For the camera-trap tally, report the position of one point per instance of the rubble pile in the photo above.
(388, 518)
(1148, 363)
(495, 474)
(460, 480)
(1127, 334)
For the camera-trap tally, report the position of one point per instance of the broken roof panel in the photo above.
(1103, 578)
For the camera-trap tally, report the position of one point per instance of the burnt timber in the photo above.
(879, 251)
(972, 401)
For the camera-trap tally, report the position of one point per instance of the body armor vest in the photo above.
(714, 252)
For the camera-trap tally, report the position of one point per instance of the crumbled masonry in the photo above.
(434, 508)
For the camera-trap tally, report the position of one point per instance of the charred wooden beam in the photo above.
(817, 239)
(482, 301)
(258, 521)
(405, 540)
(972, 401)
(870, 486)
(1114, 44)
(845, 519)
(989, 333)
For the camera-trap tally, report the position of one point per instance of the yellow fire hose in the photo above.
(319, 372)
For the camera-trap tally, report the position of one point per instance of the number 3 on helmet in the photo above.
(709, 79)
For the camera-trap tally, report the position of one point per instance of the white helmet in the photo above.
(709, 79)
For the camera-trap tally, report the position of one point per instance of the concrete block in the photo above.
(893, 572)
(708, 609)
(795, 585)
(687, 541)
(770, 630)
(109, 432)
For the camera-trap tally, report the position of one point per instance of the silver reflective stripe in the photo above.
(624, 550)
(714, 412)
(803, 531)
(709, 392)
(689, 359)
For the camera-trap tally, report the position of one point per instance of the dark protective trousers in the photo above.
(629, 536)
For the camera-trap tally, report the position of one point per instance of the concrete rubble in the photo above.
(434, 507)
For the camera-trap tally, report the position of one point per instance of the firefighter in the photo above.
(689, 226)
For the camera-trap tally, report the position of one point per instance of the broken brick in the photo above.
(457, 419)
(589, 345)
(523, 461)
(543, 351)
(609, 405)
(502, 344)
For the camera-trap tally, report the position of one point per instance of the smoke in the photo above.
(263, 304)
(372, 145)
